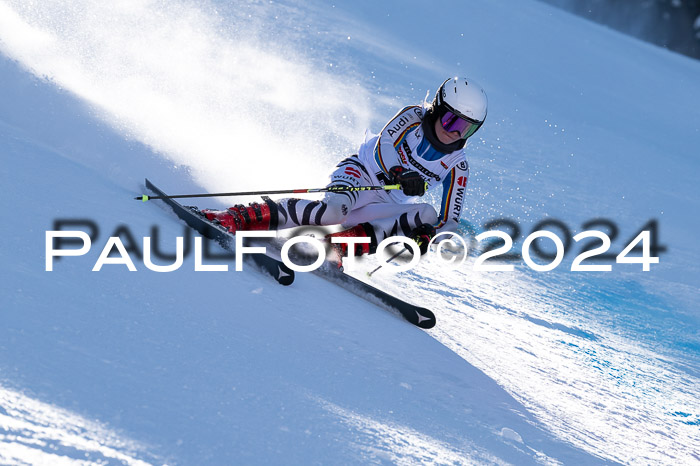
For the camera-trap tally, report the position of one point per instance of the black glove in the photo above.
(412, 184)
(422, 235)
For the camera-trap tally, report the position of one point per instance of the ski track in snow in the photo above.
(382, 441)
(33, 432)
(592, 385)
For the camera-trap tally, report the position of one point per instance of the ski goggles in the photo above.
(464, 126)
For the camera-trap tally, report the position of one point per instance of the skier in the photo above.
(420, 148)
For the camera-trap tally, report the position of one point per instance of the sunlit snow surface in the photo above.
(554, 341)
(403, 445)
(32, 432)
(583, 123)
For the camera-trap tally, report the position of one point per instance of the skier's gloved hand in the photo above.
(422, 235)
(412, 184)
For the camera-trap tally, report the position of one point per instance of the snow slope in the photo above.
(218, 367)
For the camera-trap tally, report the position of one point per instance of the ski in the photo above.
(270, 265)
(417, 315)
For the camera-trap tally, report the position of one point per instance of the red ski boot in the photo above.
(241, 218)
(363, 230)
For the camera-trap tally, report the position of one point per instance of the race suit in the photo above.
(403, 143)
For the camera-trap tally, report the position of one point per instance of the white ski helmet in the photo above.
(461, 105)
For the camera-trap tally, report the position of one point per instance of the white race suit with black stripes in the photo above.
(401, 142)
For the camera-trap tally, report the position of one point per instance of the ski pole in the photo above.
(329, 189)
(405, 248)
(419, 242)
